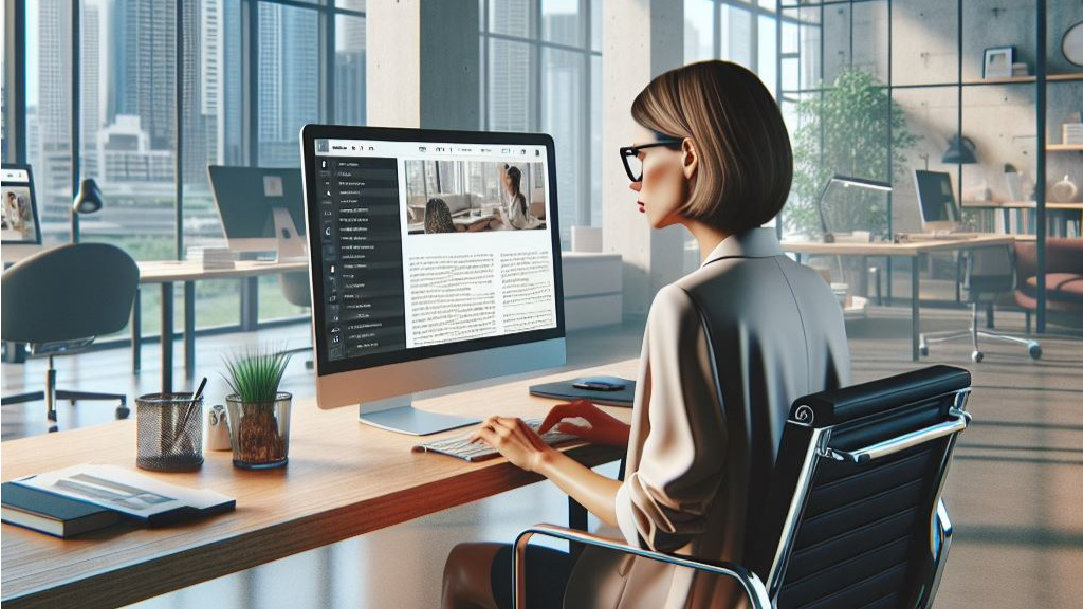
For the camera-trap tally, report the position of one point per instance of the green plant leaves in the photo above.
(844, 130)
(255, 373)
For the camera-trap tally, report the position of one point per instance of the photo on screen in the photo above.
(17, 224)
(445, 197)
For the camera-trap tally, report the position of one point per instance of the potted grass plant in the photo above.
(258, 413)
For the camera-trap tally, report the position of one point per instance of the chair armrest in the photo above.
(752, 585)
(956, 424)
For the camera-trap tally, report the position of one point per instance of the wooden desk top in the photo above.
(159, 271)
(879, 248)
(344, 479)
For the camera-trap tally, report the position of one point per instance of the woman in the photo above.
(438, 217)
(514, 214)
(726, 350)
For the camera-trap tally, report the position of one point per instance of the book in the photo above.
(565, 390)
(51, 513)
(142, 498)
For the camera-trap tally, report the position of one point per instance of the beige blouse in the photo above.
(726, 350)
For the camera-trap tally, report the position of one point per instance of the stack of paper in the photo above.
(1073, 134)
(213, 257)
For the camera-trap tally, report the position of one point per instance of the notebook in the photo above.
(51, 513)
(130, 494)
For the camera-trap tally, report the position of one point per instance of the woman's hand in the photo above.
(516, 441)
(601, 428)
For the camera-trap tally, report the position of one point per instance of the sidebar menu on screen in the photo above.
(361, 237)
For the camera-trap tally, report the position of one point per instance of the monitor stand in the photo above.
(398, 415)
(289, 245)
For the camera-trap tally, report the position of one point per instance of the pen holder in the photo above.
(169, 432)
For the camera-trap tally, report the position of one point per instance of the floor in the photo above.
(1014, 491)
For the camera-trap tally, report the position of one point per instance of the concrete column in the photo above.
(641, 39)
(423, 64)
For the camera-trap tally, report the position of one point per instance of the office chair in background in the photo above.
(853, 516)
(296, 289)
(58, 301)
(989, 272)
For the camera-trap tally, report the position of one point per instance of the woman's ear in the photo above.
(689, 158)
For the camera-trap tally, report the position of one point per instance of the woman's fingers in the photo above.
(573, 429)
(563, 411)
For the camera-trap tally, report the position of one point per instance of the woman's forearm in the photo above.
(596, 492)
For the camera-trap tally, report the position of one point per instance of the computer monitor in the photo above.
(260, 207)
(470, 296)
(936, 198)
(20, 230)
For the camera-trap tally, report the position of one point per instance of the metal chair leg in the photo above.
(1034, 349)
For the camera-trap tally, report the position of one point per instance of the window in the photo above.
(541, 62)
(745, 33)
(144, 121)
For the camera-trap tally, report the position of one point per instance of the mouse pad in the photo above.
(564, 391)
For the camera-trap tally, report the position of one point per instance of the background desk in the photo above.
(166, 272)
(344, 479)
(911, 249)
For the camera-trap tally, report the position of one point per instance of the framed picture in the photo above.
(998, 62)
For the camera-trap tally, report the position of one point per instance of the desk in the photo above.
(911, 249)
(167, 272)
(343, 479)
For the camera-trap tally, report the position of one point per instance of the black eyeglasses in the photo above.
(633, 165)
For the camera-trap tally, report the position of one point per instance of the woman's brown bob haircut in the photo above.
(745, 161)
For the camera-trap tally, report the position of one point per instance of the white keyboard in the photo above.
(462, 448)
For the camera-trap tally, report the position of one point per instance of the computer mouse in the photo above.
(600, 383)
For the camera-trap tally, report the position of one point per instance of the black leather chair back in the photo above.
(71, 292)
(839, 533)
(296, 289)
(990, 270)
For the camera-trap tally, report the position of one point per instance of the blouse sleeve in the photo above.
(664, 503)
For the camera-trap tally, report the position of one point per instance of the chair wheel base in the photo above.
(1035, 351)
(976, 356)
(122, 412)
(53, 429)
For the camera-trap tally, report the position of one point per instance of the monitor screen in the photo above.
(245, 197)
(19, 223)
(429, 243)
(936, 196)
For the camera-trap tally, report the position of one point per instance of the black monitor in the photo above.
(428, 266)
(936, 198)
(246, 198)
(20, 229)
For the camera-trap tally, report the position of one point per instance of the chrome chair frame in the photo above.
(764, 593)
(753, 587)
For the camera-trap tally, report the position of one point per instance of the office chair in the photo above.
(298, 293)
(989, 271)
(853, 516)
(58, 301)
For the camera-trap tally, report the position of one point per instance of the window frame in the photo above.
(537, 45)
(14, 120)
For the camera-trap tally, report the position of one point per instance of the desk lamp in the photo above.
(87, 201)
(847, 182)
